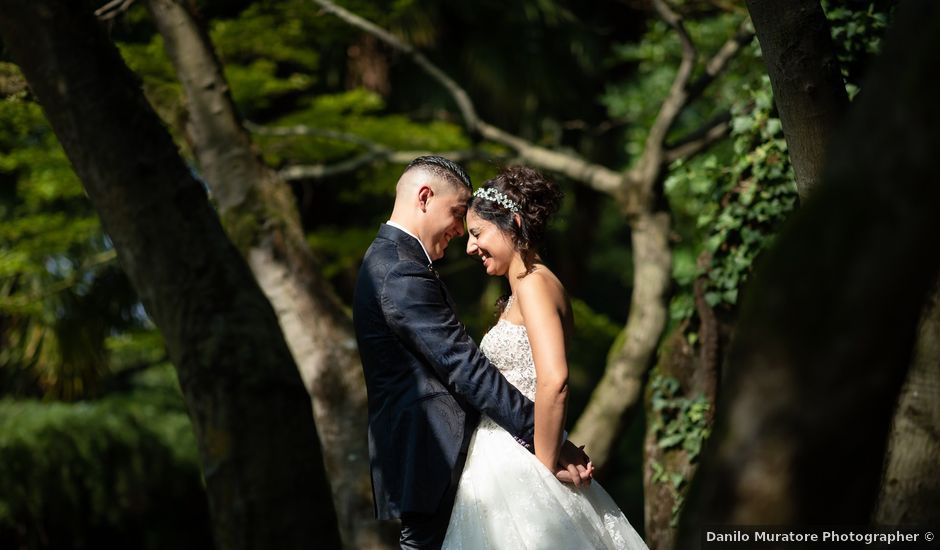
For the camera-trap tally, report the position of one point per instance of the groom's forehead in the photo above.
(457, 195)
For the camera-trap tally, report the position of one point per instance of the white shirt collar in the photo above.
(412, 235)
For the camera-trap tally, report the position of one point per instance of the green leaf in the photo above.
(669, 441)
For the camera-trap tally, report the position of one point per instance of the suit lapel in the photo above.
(407, 245)
(412, 249)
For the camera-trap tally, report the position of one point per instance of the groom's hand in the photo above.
(574, 465)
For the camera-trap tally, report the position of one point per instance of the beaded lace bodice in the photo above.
(506, 345)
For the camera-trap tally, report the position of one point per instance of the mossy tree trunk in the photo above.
(257, 442)
(259, 212)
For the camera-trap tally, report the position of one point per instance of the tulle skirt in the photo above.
(508, 500)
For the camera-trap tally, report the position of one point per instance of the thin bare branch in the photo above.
(699, 140)
(599, 177)
(302, 130)
(460, 96)
(571, 165)
(113, 9)
(375, 156)
(719, 62)
(375, 152)
(681, 93)
(94, 262)
(651, 159)
(322, 171)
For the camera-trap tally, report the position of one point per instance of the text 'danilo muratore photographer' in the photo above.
(758, 535)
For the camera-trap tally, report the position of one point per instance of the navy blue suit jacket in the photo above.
(427, 381)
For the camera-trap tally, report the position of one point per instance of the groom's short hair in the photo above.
(443, 168)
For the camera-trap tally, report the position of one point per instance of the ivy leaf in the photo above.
(670, 440)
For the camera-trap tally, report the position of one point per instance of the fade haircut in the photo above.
(443, 168)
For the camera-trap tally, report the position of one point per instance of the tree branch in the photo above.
(571, 165)
(374, 156)
(719, 62)
(594, 175)
(624, 187)
(460, 96)
(375, 152)
(93, 262)
(699, 140)
(302, 130)
(652, 157)
(113, 9)
(681, 93)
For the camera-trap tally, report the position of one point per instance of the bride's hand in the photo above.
(574, 465)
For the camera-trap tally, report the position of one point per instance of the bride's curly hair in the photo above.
(537, 197)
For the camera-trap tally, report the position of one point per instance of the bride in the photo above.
(508, 498)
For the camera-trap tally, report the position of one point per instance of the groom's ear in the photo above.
(424, 193)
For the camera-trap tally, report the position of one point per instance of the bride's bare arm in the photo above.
(543, 306)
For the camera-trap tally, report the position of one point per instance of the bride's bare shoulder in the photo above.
(543, 285)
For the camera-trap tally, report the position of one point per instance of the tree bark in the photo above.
(829, 322)
(259, 212)
(804, 73)
(910, 490)
(677, 361)
(810, 97)
(259, 448)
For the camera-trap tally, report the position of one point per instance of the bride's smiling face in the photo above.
(490, 244)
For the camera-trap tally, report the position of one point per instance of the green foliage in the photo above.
(738, 198)
(750, 198)
(262, 32)
(255, 86)
(149, 61)
(613, 260)
(594, 335)
(60, 293)
(681, 421)
(340, 249)
(856, 35)
(728, 206)
(359, 113)
(121, 472)
(738, 205)
(657, 56)
(678, 423)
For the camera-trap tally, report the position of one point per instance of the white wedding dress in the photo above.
(506, 497)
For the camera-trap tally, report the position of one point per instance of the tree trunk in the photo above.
(619, 390)
(801, 62)
(259, 212)
(676, 361)
(804, 73)
(259, 448)
(829, 322)
(910, 490)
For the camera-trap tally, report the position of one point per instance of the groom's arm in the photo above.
(417, 311)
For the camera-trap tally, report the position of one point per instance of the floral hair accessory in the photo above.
(494, 195)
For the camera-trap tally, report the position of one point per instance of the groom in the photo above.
(427, 381)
